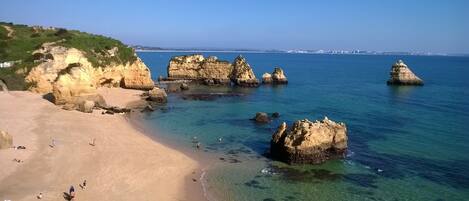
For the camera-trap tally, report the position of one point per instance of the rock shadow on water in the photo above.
(295, 175)
(255, 184)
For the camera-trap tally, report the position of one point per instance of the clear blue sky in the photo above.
(393, 25)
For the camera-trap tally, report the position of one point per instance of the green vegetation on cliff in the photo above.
(18, 42)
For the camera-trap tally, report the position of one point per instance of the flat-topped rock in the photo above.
(402, 75)
(196, 67)
(211, 71)
(309, 142)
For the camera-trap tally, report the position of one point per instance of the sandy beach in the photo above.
(123, 165)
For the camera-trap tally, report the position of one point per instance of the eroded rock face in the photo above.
(277, 77)
(242, 74)
(196, 67)
(211, 71)
(66, 72)
(266, 78)
(157, 95)
(6, 140)
(402, 75)
(310, 142)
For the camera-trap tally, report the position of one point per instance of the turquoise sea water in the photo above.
(405, 143)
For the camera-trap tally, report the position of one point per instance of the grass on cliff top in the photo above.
(25, 40)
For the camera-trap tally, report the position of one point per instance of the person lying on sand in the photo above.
(18, 160)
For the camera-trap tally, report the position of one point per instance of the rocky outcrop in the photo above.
(67, 73)
(267, 78)
(196, 67)
(261, 117)
(277, 77)
(157, 95)
(6, 140)
(242, 74)
(211, 71)
(402, 75)
(310, 142)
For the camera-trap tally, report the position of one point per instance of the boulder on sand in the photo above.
(157, 95)
(6, 140)
(86, 106)
(402, 75)
(309, 142)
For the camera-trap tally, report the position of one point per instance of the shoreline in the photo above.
(199, 189)
(125, 164)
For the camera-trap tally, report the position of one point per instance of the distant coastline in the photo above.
(140, 48)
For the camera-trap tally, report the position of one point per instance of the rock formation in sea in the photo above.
(277, 77)
(196, 67)
(6, 140)
(211, 71)
(402, 75)
(242, 74)
(267, 78)
(309, 142)
(261, 117)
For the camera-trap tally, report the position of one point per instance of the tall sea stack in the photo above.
(402, 75)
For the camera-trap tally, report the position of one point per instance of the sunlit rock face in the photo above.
(402, 75)
(309, 142)
(196, 67)
(211, 71)
(69, 76)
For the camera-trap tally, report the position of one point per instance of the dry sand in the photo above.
(124, 165)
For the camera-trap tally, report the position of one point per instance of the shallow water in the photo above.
(405, 143)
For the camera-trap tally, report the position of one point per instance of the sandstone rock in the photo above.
(402, 75)
(211, 71)
(157, 95)
(184, 86)
(267, 78)
(261, 117)
(310, 142)
(65, 61)
(278, 77)
(196, 67)
(242, 74)
(6, 140)
(86, 106)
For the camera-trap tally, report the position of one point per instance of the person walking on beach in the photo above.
(71, 192)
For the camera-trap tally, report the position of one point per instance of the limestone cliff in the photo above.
(402, 75)
(196, 67)
(310, 142)
(67, 73)
(211, 70)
